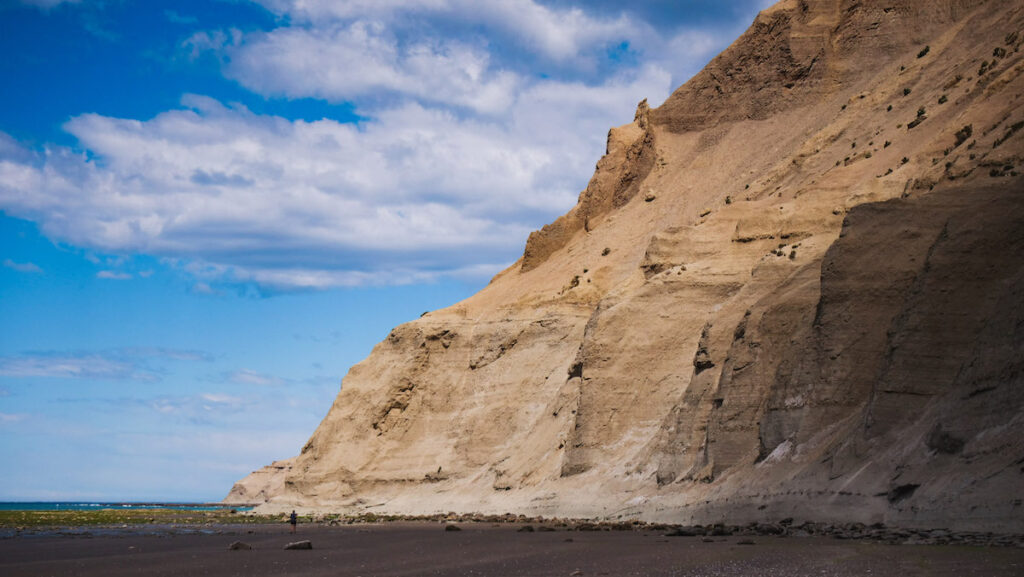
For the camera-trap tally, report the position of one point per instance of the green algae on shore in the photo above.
(118, 517)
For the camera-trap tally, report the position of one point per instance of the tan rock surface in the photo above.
(775, 298)
(260, 485)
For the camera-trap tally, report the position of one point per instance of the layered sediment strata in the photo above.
(792, 290)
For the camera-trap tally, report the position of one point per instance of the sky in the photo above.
(211, 209)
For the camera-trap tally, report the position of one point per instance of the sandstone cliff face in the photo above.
(792, 290)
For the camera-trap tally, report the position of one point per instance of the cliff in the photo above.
(792, 290)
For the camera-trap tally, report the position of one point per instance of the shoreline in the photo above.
(404, 548)
(15, 524)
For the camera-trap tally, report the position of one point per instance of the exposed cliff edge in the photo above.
(795, 289)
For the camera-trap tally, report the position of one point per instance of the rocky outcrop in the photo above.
(260, 485)
(794, 290)
(629, 157)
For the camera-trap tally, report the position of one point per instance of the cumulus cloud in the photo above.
(412, 195)
(558, 34)
(28, 267)
(480, 122)
(365, 59)
(206, 41)
(344, 50)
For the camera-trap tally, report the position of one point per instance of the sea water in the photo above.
(88, 506)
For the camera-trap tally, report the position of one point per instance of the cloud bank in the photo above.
(480, 122)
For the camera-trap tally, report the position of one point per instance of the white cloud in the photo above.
(11, 418)
(116, 364)
(220, 401)
(205, 408)
(315, 10)
(464, 147)
(340, 50)
(558, 34)
(365, 59)
(210, 41)
(113, 275)
(72, 367)
(28, 267)
(463, 53)
(47, 4)
(10, 149)
(248, 377)
(688, 50)
(162, 353)
(220, 398)
(413, 195)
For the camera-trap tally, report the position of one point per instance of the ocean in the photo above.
(88, 506)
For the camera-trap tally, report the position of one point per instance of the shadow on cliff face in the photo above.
(917, 352)
(733, 348)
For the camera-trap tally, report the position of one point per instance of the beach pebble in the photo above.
(299, 545)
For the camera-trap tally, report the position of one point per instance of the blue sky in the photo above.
(209, 210)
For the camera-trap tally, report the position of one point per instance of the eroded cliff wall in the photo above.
(792, 290)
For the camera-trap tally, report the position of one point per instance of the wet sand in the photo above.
(395, 549)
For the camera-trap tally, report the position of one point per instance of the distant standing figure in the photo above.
(294, 520)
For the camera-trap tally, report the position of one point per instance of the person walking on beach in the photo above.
(294, 520)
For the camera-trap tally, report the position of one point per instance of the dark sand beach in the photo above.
(479, 549)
